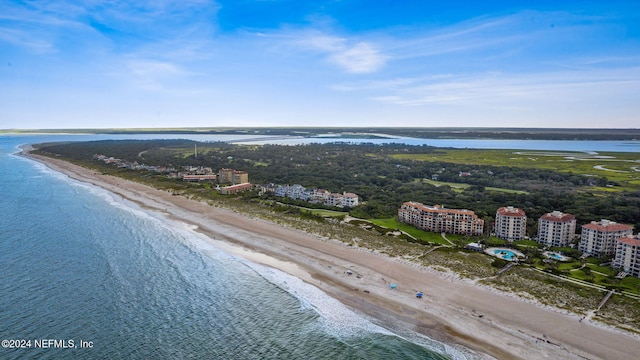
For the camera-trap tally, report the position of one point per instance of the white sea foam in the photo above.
(337, 319)
(333, 317)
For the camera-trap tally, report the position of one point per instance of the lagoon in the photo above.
(544, 145)
(541, 145)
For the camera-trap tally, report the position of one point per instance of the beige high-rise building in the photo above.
(627, 257)
(556, 229)
(230, 176)
(599, 238)
(240, 177)
(511, 223)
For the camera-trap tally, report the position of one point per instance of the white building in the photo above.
(599, 238)
(511, 223)
(334, 199)
(319, 196)
(627, 257)
(556, 229)
(294, 191)
(349, 200)
(315, 196)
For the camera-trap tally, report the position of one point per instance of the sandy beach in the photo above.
(455, 311)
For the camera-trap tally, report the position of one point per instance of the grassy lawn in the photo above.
(631, 283)
(454, 186)
(593, 274)
(393, 223)
(495, 241)
(489, 188)
(602, 269)
(526, 243)
(322, 212)
(326, 213)
(461, 186)
(580, 275)
(570, 266)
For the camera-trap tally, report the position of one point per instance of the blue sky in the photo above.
(199, 63)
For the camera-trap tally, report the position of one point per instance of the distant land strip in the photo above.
(374, 132)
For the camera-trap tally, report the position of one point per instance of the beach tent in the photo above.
(393, 286)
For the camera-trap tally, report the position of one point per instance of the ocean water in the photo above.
(85, 274)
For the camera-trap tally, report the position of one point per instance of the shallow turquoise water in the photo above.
(505, 254)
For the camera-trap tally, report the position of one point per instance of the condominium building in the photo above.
(342, 200)
(438, 219)
(627, 256)
(349, 200)
(511, 223)
(230, 176)
(319, 196)
(199, 178)
(314, 196)
(334, 199)
(294, 191)
(556, 229)
(234, 189)
(599, 238)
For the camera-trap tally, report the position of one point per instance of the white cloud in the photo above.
(151, 68)
(324, 43)
(26, 40)
(158, 76)
(360, 58)
(353, 57)
(512, 90)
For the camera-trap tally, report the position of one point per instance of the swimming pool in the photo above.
(505, 254)
(555, 256)
(502, 253)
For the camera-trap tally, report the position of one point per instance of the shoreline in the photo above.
(453, 311)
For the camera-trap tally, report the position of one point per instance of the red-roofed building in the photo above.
(556, 229)
(511, 223)
(234, 189)
(198, 178)
(599, 238)
(438, 219)
(627, 256)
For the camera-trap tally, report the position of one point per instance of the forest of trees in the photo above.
(382, 182)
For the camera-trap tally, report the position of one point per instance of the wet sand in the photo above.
(454, 311)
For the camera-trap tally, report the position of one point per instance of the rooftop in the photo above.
(438, 208)
(607, 226)
(510, 211)
(631, 241)
(557, 216)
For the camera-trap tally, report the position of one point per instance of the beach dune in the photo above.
(455, 311)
